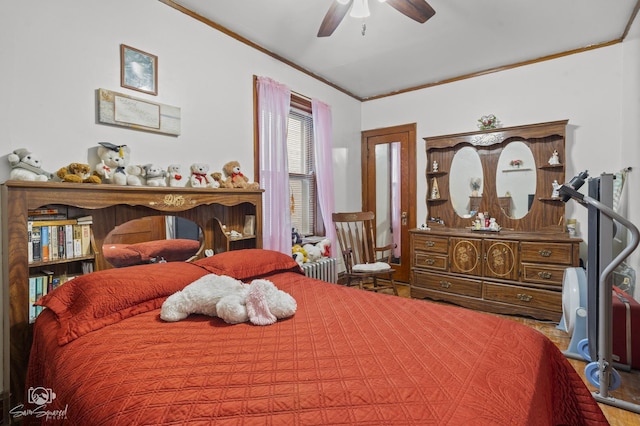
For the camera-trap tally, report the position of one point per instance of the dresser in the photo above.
(508, 174)
(504, 272)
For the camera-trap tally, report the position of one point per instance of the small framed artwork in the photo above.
(138, 70)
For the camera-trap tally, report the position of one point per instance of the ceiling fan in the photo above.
(418, 10)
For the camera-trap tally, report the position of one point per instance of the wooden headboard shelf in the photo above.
(110, 206)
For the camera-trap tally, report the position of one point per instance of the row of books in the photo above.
(51, 240)
(42, 283)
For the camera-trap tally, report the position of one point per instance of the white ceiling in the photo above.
(398, 54)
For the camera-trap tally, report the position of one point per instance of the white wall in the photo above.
(55, 54)
(597, 91)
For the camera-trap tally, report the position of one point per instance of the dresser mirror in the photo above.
(152, 239)
(465, 181)
(516, 179)
(504, 172)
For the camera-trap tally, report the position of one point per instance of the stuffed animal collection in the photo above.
(26, 166)
(311, 252)
(115, 168)
(77, 173)
(260, 302)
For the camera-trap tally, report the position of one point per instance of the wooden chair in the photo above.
(365, 263)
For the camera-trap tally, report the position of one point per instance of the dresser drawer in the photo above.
(523, 296)
(448, 284)
(557, 253)
(432, 261)
(430, 243)
(543, 274)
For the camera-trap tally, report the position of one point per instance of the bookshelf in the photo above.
(109, 206)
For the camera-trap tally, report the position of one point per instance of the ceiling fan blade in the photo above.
(418, 10)
(334, 16)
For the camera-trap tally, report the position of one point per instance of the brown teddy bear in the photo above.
(78, 173)
(235, 178)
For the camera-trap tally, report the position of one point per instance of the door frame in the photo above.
(406, 134)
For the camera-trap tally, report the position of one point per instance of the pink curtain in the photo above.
(274, 103)
(395, 197)
(323, 150)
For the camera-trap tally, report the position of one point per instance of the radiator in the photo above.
(324, 269)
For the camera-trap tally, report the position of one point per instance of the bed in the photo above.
(347, 356)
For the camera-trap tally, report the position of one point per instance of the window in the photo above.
(302, 179)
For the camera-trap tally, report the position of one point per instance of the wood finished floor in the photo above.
(628, 391)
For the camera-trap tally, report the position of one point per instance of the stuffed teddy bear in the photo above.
(299, 254)
(296, 238)
(114, 160)
(77, 173)
(234, 177)
(176, 179)
(260, 302)
(156, 176)
(135, 175)
(325, 247)
(218, 180)
(200, 175)
(26, 166)
(314, 253)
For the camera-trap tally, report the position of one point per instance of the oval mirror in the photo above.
(516, 179)
(152, 239)
(465, 182)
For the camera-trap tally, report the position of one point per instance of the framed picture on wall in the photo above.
(138, 70)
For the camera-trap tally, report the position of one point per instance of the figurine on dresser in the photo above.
(555, 158)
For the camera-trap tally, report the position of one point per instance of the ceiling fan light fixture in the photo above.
(360, 9)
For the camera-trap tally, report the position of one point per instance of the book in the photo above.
(77, 240)
(30, 242)
(61, 242)
(84, 220)
(44, 243)
(36, 244)
(32, 299)
(68, 241)
(45, 217)
(43, 211)
(86, 240)
(53, 242)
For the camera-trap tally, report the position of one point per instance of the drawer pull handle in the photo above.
(545, 253)
(429, 244)
(544, 275)
(429, 261)
(524, 297)
(445, 284)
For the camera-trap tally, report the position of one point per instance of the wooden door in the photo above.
(388, 188)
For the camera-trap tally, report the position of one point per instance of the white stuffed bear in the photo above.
(113, 166)
(176, 179)
(233, 301)
(135, 175)
(156, 176)
(314, 253)
(26, 166)
(200, 175)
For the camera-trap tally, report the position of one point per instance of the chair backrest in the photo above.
(355, 232)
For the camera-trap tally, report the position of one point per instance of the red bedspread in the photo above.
(347, 357)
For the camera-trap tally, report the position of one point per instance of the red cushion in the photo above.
(249, 263)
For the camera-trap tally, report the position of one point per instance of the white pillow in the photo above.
(371, 267)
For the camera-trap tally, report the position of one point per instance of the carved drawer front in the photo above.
(543, 274)
(523, 296)
(501, 259)
(448, 284)
(466, 256)
(559, 253)
(432, 261)
(430, 243)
